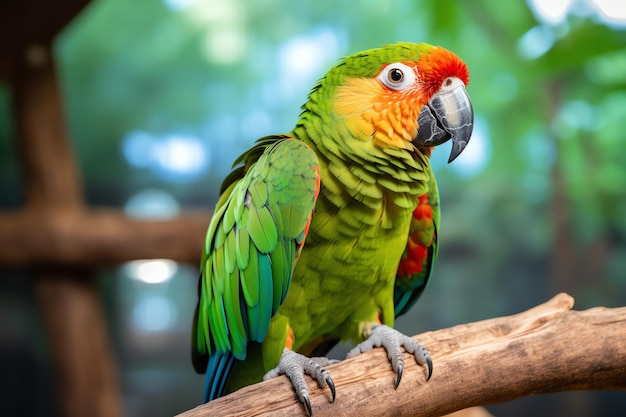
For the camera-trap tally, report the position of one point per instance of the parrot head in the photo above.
(404, 95)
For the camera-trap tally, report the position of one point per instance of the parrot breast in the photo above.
(356, 238)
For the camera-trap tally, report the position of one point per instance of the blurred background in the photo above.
(161, 96)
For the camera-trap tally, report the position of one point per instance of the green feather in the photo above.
(219, 271)
(204, 335)
(207, 290)
(239, 205)
(358, 171)
(229, 218)
(210, 235)
(220, 237)
(280, 274)
(258, 193)
(404, 200)
(291, 223)
(218, 320)
(262, 229)
(233, 316)
(242, 221)
(279, 183)
(250, 280)
(266, 297)
(345, 177)
(242, 248)
(230, 252)
(395, 186)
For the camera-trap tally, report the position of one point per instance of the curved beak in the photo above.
(448, 115)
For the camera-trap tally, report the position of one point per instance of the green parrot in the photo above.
(329, 232)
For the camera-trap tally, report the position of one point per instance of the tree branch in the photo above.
(96, 237)
(546, 349)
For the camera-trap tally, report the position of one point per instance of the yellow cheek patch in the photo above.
(373, 112)
(353, 101)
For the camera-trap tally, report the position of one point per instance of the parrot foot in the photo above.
(392, 340)
(295, 365)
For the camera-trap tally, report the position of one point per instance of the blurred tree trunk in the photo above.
(81, 351)
(568, 264)
(562, 270)
(68, 297)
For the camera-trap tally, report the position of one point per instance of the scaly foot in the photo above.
(392, 340)
(295, 365)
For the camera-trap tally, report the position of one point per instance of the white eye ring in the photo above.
(397, 76)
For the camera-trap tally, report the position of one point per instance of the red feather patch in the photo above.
(437, 65)
(418, 243)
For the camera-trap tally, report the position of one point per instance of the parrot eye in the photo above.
(397, 76)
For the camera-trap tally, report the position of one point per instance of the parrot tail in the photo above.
(217, 375)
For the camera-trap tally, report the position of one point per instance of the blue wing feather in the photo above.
(218, 370)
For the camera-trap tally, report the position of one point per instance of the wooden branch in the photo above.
(97, 237)
(546, 349)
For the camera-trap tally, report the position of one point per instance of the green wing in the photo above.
(252, 244)
(420, 253)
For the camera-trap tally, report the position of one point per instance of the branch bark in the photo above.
(549, 348)
(97, 237)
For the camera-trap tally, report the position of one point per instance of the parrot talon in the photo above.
(295, 365)
(392, 340)
(398, 376)
(331, 385)
(307, 402)
(429, 362)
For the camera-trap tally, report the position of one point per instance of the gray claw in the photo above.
(392, 340)
(307, 403)
(295, 366)
(398, 376)
(331, 385)
(429, 362)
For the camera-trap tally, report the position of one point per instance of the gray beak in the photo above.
(448, 115)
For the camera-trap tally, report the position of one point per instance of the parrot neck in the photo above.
(356, 172)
